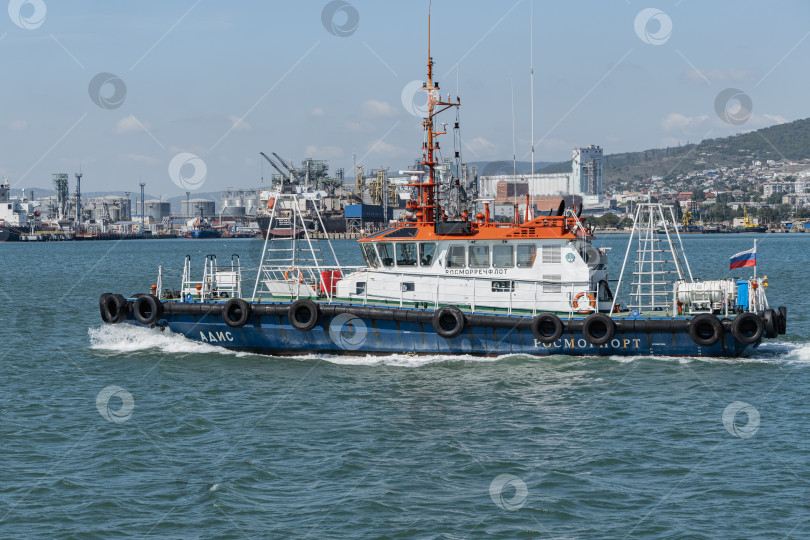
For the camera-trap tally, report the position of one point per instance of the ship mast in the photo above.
(428, 197)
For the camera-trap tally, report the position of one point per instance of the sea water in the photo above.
(114, 431)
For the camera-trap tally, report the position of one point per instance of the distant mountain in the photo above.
(780, 142)
(790, 141)
(492, 168)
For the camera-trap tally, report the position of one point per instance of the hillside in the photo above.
(490, 168)
(790, 141)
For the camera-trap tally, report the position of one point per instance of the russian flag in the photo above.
(743, 259)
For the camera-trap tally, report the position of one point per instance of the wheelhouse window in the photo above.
(479, 256)
(552, 254)
(503, 256)
(370, 256)
(551, 283)
(360, 287)
(386, 254)
(525, 255)
(456, 256)
(427, 251)
(406, 253)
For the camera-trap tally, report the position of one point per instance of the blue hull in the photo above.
(203, 234)
(348, 334)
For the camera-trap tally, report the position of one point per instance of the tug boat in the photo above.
(199, 228)
(461, 285)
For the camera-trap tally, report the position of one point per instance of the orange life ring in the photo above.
(291, 272)
(591, 303)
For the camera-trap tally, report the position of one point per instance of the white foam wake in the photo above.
(400, 359)
(786, 352)
(125, 338)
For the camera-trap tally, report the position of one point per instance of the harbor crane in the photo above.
(286, 179)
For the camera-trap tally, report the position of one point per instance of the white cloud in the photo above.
(324, 152)
(239, 124)
(356, 127)
(373, 107)
(382, 148)
(18, 125)
(480, 145)
(130, 124)
(677, 121)
(316, 112)
(773, 118)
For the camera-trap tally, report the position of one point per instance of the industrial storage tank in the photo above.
(247, 198)
(155, 209)
(233, 211)
(196, 207)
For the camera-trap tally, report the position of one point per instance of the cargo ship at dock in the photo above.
(465, 284)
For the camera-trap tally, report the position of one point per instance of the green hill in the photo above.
(790, 141)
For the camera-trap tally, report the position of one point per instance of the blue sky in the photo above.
(225, 80)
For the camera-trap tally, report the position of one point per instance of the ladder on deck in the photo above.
(660, 262)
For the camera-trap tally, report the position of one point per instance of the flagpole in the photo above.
(755, 258)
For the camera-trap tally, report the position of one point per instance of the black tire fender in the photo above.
(547, 328)
(448, 322)
(102, 302)
(303, 314)
(115, 308)
(747, 328)
(782, 326)
(236, 313)
(770, 318)
(598, 329)
(705, 329)
(147, 309)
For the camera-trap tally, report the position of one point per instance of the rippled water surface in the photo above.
(124, 432)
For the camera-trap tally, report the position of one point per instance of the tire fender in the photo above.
(303, 314)
(236, 312)
(448, 322)
(598, 329)
(547, 328)
(705, 329)
(747, 328)
(147, 309)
